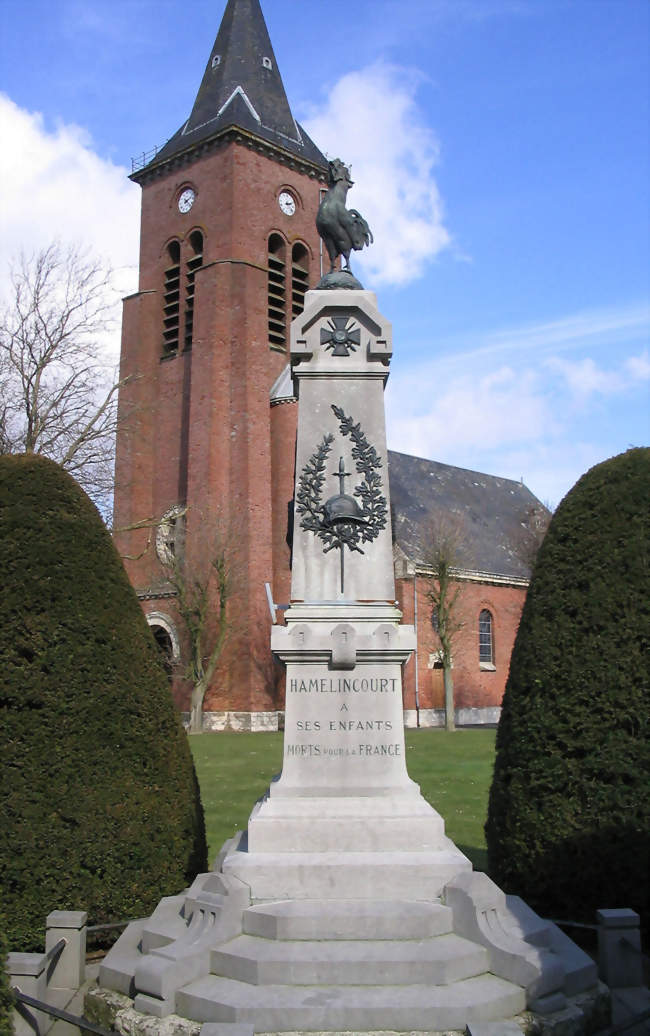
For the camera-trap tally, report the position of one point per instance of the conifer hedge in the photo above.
(6, 999)
(568, 823)
(100, 802)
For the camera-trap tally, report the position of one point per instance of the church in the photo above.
(208, 416)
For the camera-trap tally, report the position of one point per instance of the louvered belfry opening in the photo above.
(193, 263)
(171, 299)
(277, 293)
(299, 278)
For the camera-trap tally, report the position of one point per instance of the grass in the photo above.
(453, 770)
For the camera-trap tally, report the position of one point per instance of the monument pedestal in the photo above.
(344, 907)
(344, 820)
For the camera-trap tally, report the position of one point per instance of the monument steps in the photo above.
(337, 1008)
(439, 960)
(348, 875)
(347, 919)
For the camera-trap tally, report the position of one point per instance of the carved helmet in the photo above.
(343, 508)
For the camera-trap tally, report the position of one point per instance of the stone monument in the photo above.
(344, 820)
(344, 907)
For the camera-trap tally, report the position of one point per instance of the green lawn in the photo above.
(453, 770)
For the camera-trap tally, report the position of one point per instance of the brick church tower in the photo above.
(228, 248)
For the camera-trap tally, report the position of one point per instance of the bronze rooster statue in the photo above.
(341, 229)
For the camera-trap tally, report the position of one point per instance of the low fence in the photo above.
(44, 982)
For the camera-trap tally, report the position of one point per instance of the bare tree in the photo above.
(533, 528)
(205, 586)
(59, 394)
(445, 553)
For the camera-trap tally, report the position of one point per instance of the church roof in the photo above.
(494, 512)
(241, 88)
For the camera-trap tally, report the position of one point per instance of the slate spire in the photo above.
(242, 87)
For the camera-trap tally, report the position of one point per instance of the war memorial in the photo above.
(343, 907)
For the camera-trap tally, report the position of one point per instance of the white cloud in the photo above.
(372, 121)
(522, 408)
(638, 367)
(609, 328)
(548, 471)
(466, 414)
(584, 378)
(507, 423)
(55, 186)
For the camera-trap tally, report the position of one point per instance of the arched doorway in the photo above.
(166, 638)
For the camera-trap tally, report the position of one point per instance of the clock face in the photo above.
(186, 200)
(287, 203)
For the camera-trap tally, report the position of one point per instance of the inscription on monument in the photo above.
(344, 685)
(328, 751)
(344, 723)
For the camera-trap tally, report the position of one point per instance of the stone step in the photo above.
(323, 834)
(439, 961)
(347, 919)
(281, 1008)
(350, 875)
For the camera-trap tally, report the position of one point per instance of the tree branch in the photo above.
(58, 397)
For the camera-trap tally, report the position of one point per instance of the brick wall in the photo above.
(474, 686)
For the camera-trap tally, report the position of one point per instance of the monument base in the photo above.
(344, 907)
(359, 847)
(285, 942)
(403, 937)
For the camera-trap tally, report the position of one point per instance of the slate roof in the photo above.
(241, 88)
(493, 510)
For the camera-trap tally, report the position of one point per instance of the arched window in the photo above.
(192, 265)
(277, 294)
(164, 642)
(166, 638)
(299, 278)
(485, 638)
(171, 299)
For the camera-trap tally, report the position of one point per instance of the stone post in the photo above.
(69, 971)
(28, 973)
(619, 948)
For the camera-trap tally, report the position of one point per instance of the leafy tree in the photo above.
(444, 553)
(101, 809)
(59, 394)
(568, 825)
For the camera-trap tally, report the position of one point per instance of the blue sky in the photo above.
(500, 153)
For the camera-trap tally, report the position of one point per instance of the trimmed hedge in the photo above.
(568, 824)
(101, 808)
(6, 999)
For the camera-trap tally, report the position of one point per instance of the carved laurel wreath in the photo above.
(372, 502)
